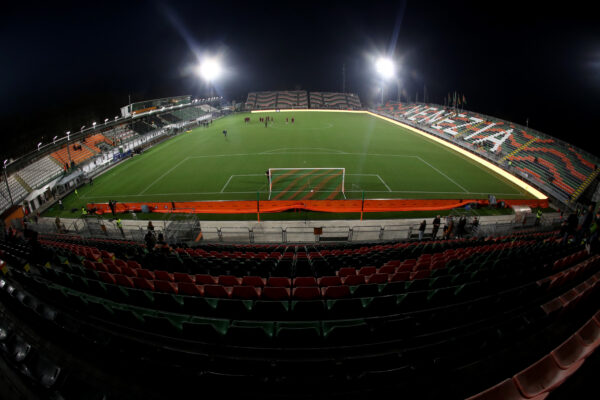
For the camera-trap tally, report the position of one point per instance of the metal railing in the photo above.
(190, 231)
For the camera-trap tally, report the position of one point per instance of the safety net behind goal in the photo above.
(306, 183)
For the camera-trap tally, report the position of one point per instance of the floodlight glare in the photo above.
(210, 69)
(385, 67)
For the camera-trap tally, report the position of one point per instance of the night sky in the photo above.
(63, 65)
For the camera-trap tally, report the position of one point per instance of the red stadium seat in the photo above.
(306, 293)
(202, 279)
(190, 289)
(246, 292)
(400, 276)
(165, 286)
(330, 281)
(569, 352)
(217, 291)
(378, 278)
(543, 376)
(183, 277)
(422, 274)
(142, 283)
(129, 271)
(277, 281)
(335, 292)
(146, 274)
(124, 281)
(255, 281)
(303, 281)
(353, 280)
(346, 271)
(163, 276)
(107, 277)
(589, 334)
(367, 270)
(505, 390)
(229, 280)
(387, 269)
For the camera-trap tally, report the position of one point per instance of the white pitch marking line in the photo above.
(446, 176)
(323, 191)
(278, 151)
(228, 180)
(165, 174)
(384, 184)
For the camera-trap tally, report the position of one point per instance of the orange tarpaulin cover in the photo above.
(269, 206)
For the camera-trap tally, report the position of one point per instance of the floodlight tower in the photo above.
(6, 181)
(386, 69)
(210, 69)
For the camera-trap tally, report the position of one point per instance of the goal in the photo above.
(306, 183)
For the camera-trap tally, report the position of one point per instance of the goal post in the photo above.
(306, 183)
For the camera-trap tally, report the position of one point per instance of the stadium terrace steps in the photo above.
(92, 148)
(584, 185)
(23, 183)
(518, 149)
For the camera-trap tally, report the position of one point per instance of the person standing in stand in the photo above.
(436, 227)
(422, 229)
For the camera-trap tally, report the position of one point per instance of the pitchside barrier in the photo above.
(337, 206)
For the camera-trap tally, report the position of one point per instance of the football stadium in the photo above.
(300, 244)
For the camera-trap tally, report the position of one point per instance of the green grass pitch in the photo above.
(381, 159)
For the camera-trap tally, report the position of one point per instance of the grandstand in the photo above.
(30, 173)
(545, 161)
(118, 134)
(431, 319)
(338, 101)
(77, 152)
(300, 99)
(40, 172)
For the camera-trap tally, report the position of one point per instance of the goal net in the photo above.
(306, 183)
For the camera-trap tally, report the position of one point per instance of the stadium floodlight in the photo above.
(116, 117)
(68, 134)
(54, 139)
(210, 69)
(385, 68)
(105, 121)
(81, 130)
(39, 144)
(94, 125)
(5, 162)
